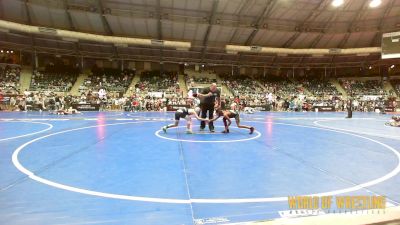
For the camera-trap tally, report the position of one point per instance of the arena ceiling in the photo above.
(209, 25)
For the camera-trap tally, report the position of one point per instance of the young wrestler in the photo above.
(248, 110)
(68, 111)
(227, 116)
(186, 114)
(394, 122)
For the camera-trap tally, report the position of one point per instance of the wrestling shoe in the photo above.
(225, 131)
(251, 130)
(189, 132)
(164, 129)
(211, 127)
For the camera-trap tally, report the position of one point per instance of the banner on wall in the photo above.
(387, 109)
(86, 107)
(323, 108)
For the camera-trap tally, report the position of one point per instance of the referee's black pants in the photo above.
(349, 112)
(204, 108)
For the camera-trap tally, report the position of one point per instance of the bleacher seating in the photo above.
(396, 85)
(242, 85)
(58, 82)
(195, 81)
(280, 86)
(112, 80)
(360, 88)
(319, 87)
(246, 88)
(156, 82)
(55, 77)
(9, 78)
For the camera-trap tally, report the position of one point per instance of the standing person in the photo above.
(349, 109)
(349, 101)
(383, 106)
(227, 116)
(185, 113)
(210, 97)
(103, 98)
(394, 122)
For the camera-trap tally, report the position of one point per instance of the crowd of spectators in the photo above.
(396, 85)
(319, 87)
(195, 81)
(48, 101)
(9, 79)
(278, 94)
(281, 87)
(112, 80)
(55, 77)
(147, 103)
(58, 82)
(360, 88)
(52, 101)
(36, 101)
(242, 85)
(248, 90)
(166, 83)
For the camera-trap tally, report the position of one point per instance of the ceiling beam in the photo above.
(310, 17)
(211, 21)
(343, 42)
(179, 58)
(358, 15)
(71, 23)
(133, 11)
(28, 15)
(319, 37)
(264, 14)
(325, 26)
(159, 32)
(377, 37)
(159, 28)
(2, 9)
(106, 25)
(245, 5)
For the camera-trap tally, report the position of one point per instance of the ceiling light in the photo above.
(375, 3)
(337, 3)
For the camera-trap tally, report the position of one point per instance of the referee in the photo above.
(349, 108)
(208, 97)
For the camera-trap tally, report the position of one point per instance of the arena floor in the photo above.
(119, 168)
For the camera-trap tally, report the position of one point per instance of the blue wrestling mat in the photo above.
(120, 168)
